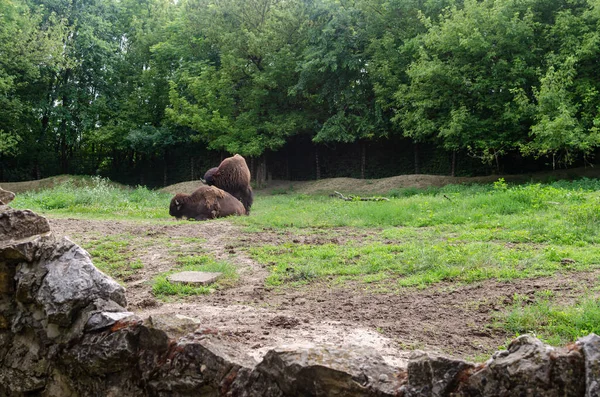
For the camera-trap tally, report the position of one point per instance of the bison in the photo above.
(207, 202)
(233, 176)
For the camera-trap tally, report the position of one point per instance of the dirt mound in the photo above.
(49, 183)
(182, 187)
(328, 186)
(385, 185)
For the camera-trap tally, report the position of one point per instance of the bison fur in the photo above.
(207, 202)
(233, 176)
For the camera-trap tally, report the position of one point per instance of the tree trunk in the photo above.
(261, 171)
(363, 159)
(317, 162)
(417, 158)
(165, 169)
(287, 165)
(64, 127)
(497, 158)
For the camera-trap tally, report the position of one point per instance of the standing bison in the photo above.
(233, 176)
(207, 202)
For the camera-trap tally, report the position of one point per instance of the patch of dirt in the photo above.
(450, 318)
(48, 183)
(385, 185)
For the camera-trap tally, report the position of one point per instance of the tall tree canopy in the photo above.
(104, 86)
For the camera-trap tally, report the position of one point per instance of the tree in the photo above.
(465, 87)
(567, 101)
(234, 91)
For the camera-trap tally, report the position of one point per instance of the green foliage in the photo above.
(162, 287)
(116, 85)
(555, 323)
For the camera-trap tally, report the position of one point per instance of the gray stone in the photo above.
(528, 368)
(73, 283)
(431, 374)
(6, 196)
(201, 278)
(102, 320)
(329, 371)
(590, 345)
(175, 325)
(19, 224)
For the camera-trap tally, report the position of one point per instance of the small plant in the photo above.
(500, 184)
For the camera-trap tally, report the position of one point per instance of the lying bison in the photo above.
(207, 202)
(233, 176)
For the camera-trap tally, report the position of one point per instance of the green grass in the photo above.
(554, 323)
(100, 199)
(113, 255)
(162, 287)
(455, 233)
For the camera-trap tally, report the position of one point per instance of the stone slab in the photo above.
(194, 278)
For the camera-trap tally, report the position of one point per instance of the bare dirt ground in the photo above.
(453, 319)
(449, 318)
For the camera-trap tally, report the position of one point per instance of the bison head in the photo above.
(209, 176)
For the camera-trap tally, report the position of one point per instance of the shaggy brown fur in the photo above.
(233, 176)
(207, 202)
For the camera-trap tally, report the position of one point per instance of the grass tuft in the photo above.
(554, 323)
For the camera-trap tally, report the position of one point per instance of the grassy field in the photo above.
(453, 234)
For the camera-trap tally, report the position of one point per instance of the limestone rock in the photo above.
(431, 374)
(329, 371)
(529, 368)
(101, 320)
(72, 283)
(590, 345)
(194, 278)
(6, 196)
(19, 224)
(173, 325)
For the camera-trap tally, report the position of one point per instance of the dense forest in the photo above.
(157, 91)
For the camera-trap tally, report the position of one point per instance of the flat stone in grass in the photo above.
(200, 278)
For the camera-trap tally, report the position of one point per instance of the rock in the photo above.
(528, 368)
(173, 325)
(199, 278)
(328, 370)
(72, 283)
(101, 320)
(20, 224)
(6, 196)
(430, 374)
(590, 346)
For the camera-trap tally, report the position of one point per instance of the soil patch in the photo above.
(453, 319)
(385, 185)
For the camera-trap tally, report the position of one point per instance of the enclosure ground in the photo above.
(450, 318)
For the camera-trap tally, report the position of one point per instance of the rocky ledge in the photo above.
(65, 331)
